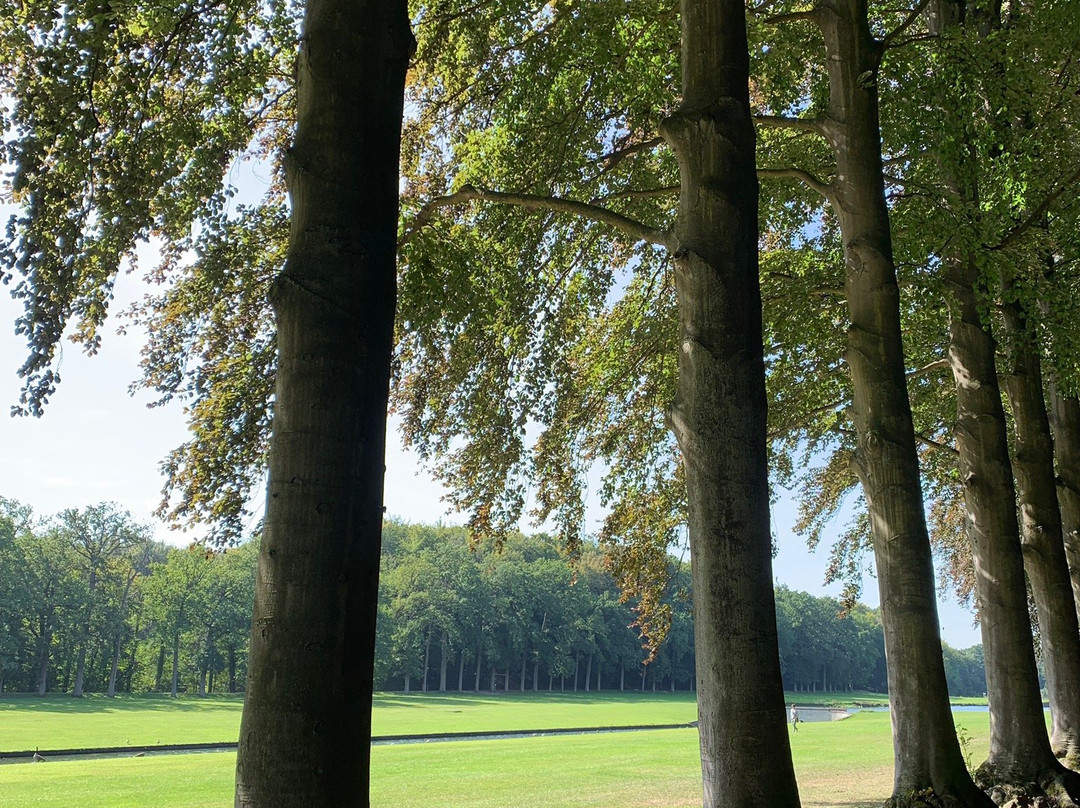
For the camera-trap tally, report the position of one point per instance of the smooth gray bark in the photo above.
(1065, 423)
(1040, 523)
(718, 417)
(926, 752)
(306, 728)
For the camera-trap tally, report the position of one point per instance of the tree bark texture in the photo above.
(306, 727)
(1065, 423)
(1040, 522)
(718, 418)
(1020, 750)
(926, 752)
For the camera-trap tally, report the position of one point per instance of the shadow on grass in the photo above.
(98, 703)
(472, 698)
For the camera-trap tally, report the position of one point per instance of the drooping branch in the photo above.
(595, 213)
(808, 179)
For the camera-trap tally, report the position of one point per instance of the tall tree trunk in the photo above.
(598, 663)
(718, 416)
(444, 649)
(622, 680)
(114, 666)
(1020, 751)
(306, 728)
(521, 683)
(407, 678)
(427, 662)
(479, 660)
(232, 670)
(1040, 522)
(536, 675)
(588, 673)
(492, 678)
(926, 752)
(174, 690)
(160, 672)
(1065, 422)
(461, 672)
(577, 664)
(44, 653)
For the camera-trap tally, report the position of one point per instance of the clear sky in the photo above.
(96, 443)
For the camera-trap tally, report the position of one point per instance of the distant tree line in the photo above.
(89, 602)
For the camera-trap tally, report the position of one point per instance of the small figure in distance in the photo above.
(794, 718)
(38, 758)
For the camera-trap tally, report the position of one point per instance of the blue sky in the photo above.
(96, 442)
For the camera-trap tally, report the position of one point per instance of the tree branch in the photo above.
(907, 23)
(644, 193)
(624, 224)
(813, 125)
(926, 370)
(612, 159)
(933, 444)
(811, 15)
(808, 179)
(1036, 215)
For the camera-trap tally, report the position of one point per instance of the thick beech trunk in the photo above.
(926, 752)
(718, 417)
(1065, 422)
(306, 728)
(1040, 522)
(1020, 751)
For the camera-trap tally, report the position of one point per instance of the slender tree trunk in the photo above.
(577, 664)
(598, 663)
(461, 672)
(444, 650)
(160, 672)
(1065, 422)
(44, 653)
(407, 680)
(1040, 522)
(521, 683)
(536, 675)
(926, 752)
(718, 417)
(622, 680)
(232, 670)
(175, 665)
(114, 666)
(427, 662)
(588, 673)
(479, 660)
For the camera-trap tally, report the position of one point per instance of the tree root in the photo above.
(1053, 787)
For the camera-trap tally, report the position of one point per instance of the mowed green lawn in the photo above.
(845, 763)
(62, 722)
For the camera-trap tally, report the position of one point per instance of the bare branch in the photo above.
(813, 125)
(624, 224)
(926, 370)
(644, 193)
(808, 179)
(933, 444)
(907, 23)
(612, 159)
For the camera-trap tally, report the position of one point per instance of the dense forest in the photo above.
(90, 603)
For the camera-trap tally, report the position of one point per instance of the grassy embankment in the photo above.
(846, 763)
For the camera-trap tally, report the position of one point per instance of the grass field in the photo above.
(61, 722)
(845, 763)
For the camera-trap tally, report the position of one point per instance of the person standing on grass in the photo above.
(794, 718)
